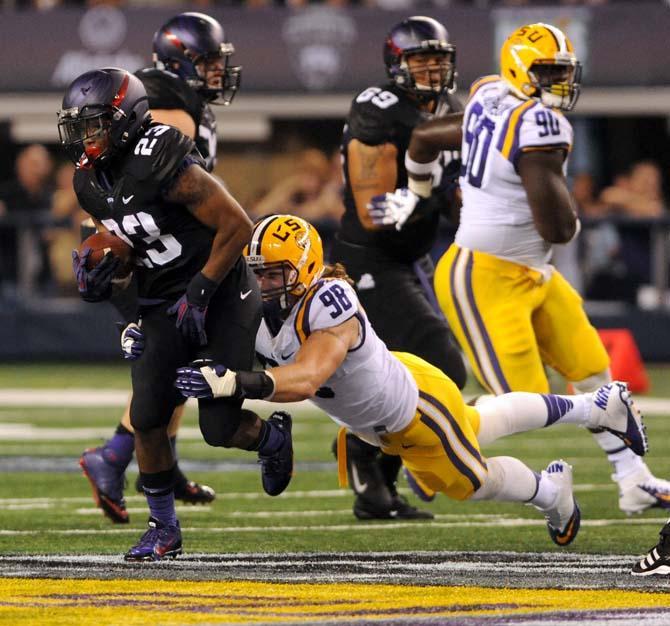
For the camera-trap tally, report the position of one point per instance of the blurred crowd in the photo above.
(46, 5)
(40, 216)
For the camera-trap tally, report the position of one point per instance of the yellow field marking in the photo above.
(48, 602)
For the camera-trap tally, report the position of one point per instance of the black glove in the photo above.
(191, 308)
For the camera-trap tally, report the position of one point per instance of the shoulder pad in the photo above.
(329, 302)
(160, 153)
(79, 180)
(480, 82)
(537, 127)
(374, 114)
(167, 91)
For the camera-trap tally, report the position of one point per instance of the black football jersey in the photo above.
(128, 198)
(386, 114)
(167, 91)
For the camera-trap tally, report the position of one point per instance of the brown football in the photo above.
(104, 242)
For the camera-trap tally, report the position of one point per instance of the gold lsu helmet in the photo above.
(539, 62)
(292, 244)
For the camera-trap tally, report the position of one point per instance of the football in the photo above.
(101, 244)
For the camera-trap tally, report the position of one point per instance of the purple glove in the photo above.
(191, 381)
(94, 285)
(132, 341)
(191, 308)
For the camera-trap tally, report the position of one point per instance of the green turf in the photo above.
(313, 435)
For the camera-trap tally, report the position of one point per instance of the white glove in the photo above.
(393, 208)
(221, 380)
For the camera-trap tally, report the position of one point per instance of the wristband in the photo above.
(200, 290)
(255, 385)
(419, 169)
(422, 188)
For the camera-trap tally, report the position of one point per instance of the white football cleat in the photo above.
(614, 411)
(641, 490)
(564, 517)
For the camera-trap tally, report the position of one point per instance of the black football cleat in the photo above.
(277, 468)
(657, 561)
(191, 492)
(188, 491)
(399, 508)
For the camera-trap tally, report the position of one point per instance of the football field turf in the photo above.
(466, 561)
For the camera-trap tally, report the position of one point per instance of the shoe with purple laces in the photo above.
(160, 541)
(107, 482)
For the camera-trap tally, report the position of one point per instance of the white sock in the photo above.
(509, 480)
(547, 492)
(624, 461)
(519, 412)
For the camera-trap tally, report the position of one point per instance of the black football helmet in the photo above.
(194, 46)
(103, 111)
(420, 35)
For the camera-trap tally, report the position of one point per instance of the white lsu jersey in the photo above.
(371, 392)
(497, 128)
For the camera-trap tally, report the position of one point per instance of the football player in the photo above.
(390, 262)
(510, 309)
(191, 71)
(147, 183)
(322, 347)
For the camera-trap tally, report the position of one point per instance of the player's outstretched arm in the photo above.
(554, 210)
(428, 140)
(431, 137)
(316, 361)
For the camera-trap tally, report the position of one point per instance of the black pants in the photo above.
(231, 326)
(396, 299)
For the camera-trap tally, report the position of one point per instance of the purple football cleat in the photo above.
(107, 482)
(158, 542)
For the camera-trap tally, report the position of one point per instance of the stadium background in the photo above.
(278, 141)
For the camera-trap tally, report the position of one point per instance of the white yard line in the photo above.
(244, 495)
(492, 522)
(77, 398)
(119, 397)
